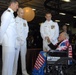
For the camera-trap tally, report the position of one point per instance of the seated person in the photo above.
(63, 44)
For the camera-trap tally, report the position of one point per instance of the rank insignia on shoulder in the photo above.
(8, 10)
(52, 27)
(24, 24)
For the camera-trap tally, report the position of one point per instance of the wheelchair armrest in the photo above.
(58, 53)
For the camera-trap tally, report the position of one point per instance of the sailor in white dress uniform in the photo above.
(8, 38)
(49, 32)
(22, 32)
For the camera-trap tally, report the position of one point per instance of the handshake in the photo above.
(48, 39)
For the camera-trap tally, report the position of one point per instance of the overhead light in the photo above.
(33, 9)
(67, 24)
(74, 16)
(66, 0)
(62, 13)
(57, 20)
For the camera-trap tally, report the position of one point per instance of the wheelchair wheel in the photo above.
(63, 67)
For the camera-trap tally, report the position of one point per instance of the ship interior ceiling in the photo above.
(62, 11)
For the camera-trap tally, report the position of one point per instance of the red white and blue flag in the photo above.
(40, 64)
(65, 45)
(41, 60)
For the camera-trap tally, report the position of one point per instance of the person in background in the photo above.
(62, 45)
(8, 38)
(22, 33)
(65, 29)
(49, 32)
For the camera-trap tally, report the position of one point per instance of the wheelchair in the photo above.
(58, 63)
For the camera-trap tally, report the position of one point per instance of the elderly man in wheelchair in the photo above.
(62, 46)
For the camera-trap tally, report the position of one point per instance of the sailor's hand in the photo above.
(48, 40)
(45, 50)
(46, 37)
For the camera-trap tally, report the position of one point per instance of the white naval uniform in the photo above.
(8, 40)
(49, 29)
(22, 32)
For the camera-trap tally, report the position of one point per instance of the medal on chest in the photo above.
(52, 26)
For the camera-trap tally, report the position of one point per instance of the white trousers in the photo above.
(22, 49)
(8, 55)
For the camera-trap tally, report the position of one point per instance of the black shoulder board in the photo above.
(8, 10)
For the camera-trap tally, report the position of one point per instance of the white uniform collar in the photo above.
(11, 10)
(48, 21)
(19, 18)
